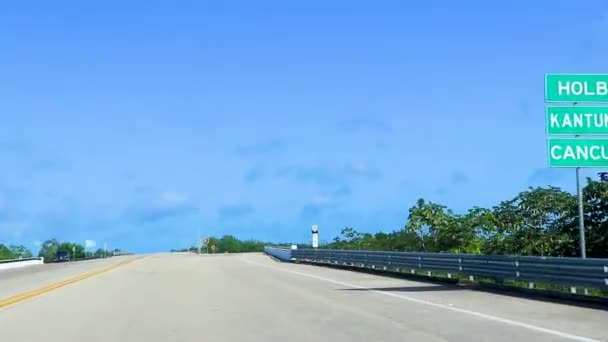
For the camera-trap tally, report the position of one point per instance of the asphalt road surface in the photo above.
(249, 297)
(19, 280)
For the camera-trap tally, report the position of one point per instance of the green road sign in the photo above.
(577, 120)
(576, 88)
(577, 152)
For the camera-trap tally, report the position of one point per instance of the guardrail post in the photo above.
(460, 264)
(606, 279)
(419, 262)
(516, 268)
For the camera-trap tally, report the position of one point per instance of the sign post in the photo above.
(577, 121)
(581, 214)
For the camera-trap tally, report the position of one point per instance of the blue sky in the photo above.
(142, 124)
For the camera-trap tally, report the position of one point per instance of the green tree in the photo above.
(48, 249)
(439, 230)
(14, 252)
(100, 253)
(228, 243)
(544, 213)
(20, 251)
(595, 199)
(404, 240)
(349, 239)
(383, 242)
(5, 252)
(252, 246)
(77, 251)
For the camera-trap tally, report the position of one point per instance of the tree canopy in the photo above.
(230, 244)
(48, 250)
(14, 252)
(538, 221)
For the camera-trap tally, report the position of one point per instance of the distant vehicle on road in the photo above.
(62, 256)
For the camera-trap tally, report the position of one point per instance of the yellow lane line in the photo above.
(4, 302)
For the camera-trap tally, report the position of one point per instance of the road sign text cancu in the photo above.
(578, 152)
(576, 88)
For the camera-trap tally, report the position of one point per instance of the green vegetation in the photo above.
(50, 247)
(539, 221)
(230, 244)
(14, 252)
(48, 250)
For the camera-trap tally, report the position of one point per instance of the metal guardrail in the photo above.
(574, 272)
(18, 260)
(281, 253)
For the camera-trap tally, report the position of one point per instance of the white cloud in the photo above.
(166, 204)
(320, 200)
(172, 199)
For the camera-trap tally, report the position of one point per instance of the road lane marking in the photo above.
(20, 297)
(437, 305)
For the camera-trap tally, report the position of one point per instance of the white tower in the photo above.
(315, 236)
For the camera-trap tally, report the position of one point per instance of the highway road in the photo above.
(19, 280)
(249, 297)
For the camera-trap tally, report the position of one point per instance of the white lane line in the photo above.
(437, 305)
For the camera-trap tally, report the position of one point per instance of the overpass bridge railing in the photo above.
(280, 253)
(17, 263)
(573, 272)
